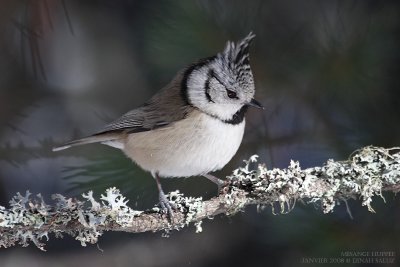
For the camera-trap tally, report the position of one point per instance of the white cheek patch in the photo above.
(195, 87)
(196, 92)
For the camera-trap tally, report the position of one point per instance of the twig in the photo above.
(367, 173)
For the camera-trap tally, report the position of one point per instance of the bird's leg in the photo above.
(166, 206)
(219, 182)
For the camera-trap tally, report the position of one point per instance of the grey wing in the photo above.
(132, 120)
(161, 110)
(138, 120)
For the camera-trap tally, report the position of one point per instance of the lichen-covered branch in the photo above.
(367, 173)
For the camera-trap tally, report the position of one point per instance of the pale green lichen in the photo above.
(198, 226)
(115, 207)
(234, 200)
(22, 222)
(364, 176)
(369, 172)
(190, 206)
(27, 213)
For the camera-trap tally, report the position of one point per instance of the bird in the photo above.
(191, 127)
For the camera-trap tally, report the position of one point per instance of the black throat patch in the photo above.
(238, 117)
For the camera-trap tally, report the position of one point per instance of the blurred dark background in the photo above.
(327, 72)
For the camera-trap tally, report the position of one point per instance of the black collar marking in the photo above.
(207, 86)
(210, 75)
(238, 117)
(188, 71)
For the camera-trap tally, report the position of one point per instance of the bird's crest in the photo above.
(237, 54)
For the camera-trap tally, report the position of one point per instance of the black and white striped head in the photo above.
(223, 86)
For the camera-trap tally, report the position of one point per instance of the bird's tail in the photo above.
(100, 138)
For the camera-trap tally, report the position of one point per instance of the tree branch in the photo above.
(367, 173)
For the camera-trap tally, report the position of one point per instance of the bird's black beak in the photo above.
(255, 103)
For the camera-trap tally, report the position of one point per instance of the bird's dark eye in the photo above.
(231, 94)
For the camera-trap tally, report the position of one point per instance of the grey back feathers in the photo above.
(221, 86)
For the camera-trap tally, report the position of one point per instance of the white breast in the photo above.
(196, 145)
